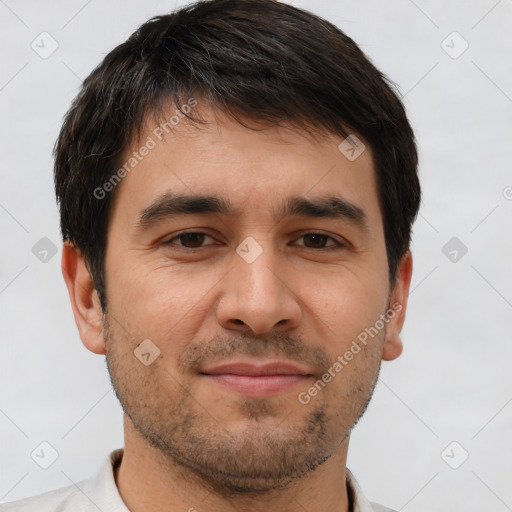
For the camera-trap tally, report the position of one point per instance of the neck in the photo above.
(148, 480)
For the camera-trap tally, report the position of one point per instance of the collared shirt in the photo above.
(101, 493)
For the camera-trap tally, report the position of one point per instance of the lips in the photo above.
(256, 380)
(254, 370)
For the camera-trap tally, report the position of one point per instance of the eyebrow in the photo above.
(332, 207)
(169, 205)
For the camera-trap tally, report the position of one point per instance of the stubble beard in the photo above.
(270, 451)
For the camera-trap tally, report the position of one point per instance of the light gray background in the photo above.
(453, 381)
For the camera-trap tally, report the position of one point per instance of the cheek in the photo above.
(345, 304)
(160, 302)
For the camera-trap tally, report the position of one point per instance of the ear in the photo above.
(84, 298)
(397, 306)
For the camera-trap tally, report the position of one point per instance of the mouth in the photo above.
(257, 380)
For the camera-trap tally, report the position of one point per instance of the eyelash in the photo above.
(337, 244)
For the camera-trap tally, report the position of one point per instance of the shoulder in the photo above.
(359, 501)
(59, 500)
(98, 493)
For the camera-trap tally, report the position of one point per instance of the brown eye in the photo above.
(191, 240)
(318, 241)
(315, 241)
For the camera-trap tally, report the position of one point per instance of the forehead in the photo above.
(254, 167)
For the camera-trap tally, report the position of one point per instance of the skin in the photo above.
(191, 443)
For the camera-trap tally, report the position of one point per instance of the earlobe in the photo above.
(84, 298)
(397, 307)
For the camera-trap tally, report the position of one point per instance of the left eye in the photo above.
(190, 240)
(318, 241)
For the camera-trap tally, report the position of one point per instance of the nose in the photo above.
(258, 297)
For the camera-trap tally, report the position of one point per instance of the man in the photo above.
(237, 185)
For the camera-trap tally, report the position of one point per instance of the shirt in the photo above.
(101, 493)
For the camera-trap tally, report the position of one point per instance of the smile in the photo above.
(257, 380)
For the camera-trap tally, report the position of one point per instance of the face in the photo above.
(251, 263)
